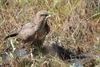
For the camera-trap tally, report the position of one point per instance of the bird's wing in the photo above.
(27, 31)
(28, 25)
(31, 26)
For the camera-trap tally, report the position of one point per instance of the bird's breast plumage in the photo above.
(43, 32)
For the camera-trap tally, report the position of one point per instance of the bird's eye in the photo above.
(44, 14)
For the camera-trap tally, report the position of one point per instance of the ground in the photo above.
(74, 37)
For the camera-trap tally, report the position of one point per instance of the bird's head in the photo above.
(42, 15)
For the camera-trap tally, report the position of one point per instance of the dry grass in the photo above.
(72, 25)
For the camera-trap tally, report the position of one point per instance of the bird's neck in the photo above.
(38, 20)
(40, 23)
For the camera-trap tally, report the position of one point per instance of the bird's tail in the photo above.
(11, 35)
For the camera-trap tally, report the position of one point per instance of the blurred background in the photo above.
(73, 40)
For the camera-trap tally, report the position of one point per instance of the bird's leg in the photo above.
(31, 50)
(31, 53)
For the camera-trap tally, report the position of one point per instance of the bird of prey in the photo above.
(35, 30)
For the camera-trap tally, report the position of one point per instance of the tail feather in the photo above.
(11, 35)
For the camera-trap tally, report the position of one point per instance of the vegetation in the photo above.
(75, 30)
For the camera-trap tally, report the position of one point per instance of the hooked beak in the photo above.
(50, 15)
